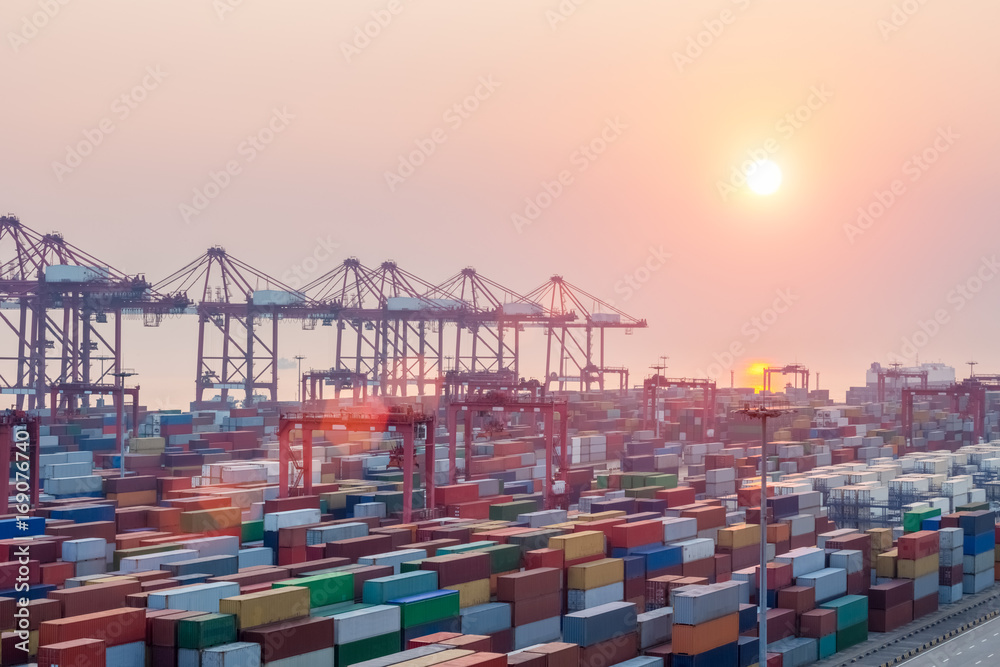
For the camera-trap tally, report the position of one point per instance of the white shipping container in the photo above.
(694, 605)
(678, 528)
(200, 597)
(238, 654)
(578, 600)
(394, 558)
(149, 562)
(696, 549)
(655, 627)
(829, 583)
(224, 545)
(255, 557)
(804, 560)
(287, 519)
(88, 548)
(366, 623)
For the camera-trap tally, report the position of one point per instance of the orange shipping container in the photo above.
(695, 639)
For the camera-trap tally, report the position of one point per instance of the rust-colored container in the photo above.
(800, 599)
(818, 623)
(887, 620)
(925, 605)
(114, 627)
(611, 652)
(456, 569)
(529, 610)
(163, 629)
(291, 638)
(559, 654)
(90, 652)
(886, 596)
(915, 546)
(430, 546)
(90, 599)
(528, 584)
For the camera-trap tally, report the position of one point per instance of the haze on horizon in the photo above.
(636, 119)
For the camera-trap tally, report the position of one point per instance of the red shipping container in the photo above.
(96, 598)
(363, 574)
(610, 652)
(915, 546)
(10, 569)
(431, 546)
(482, 659)
(90, 652)
(288, 639)
(887, 620)
(925, 605)
(886, 596)
(779, 575)
(453, 494)
(707, 516)
(454, 569)
(544, 558)
(56, 573)
(559, 654)
(682, 495)
(817, 623)
(700, 568)
(530, 610)
(636, 534)
(605, 526)
(356, 547)
(528, 584)
(162, 630)
(114, 627)
(800, 599)
(44, 549)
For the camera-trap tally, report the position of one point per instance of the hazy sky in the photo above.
(852, 99)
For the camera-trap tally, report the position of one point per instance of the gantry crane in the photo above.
(798, 370)
(314, 380)
(895, 372)
(295, 471)
(651, 384)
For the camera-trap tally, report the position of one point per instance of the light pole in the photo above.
(298, 380)
(762, 413)
(120, 414)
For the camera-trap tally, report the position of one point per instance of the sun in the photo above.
(764, 178)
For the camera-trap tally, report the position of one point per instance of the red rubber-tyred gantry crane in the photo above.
(651, 384)
(295, 471)
(896, 372)
(500, 402)
(314, 380)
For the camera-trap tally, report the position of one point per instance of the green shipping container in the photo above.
(503, 557)
(405, 584)
(339, 608)
(827, 645)
(410, 566)
(509, 511)
(973, 507)
(206, 631)
(427, 608)
(851, 610)
(851, 636)
(367, 649)
(252, 531)
(602, 481)
(914, 519)
(642, 492)
(324, 589)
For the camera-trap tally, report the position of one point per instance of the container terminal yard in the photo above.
(405, 513)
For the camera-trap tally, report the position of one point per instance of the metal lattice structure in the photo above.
(574, 340)
(55, 300)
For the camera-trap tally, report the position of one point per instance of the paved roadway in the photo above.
(979, 646)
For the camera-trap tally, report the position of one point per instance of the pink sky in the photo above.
(676, 121)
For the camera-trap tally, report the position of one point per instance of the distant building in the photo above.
(938, 375)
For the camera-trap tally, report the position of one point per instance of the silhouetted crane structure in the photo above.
(295, 469)
(972, 390)
(314, 380)
(651, 384)
(895, 372)
(800, 372)
(56, 300)
(391, 326)
(561, 298)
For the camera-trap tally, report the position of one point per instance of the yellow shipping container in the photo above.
(200, 521)
(885, 564)
(914, 569)
(271, 606)
(472, 593)
(881, 538)
(739, 536)
(578, 545)
(134, 498)
(596, 573)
